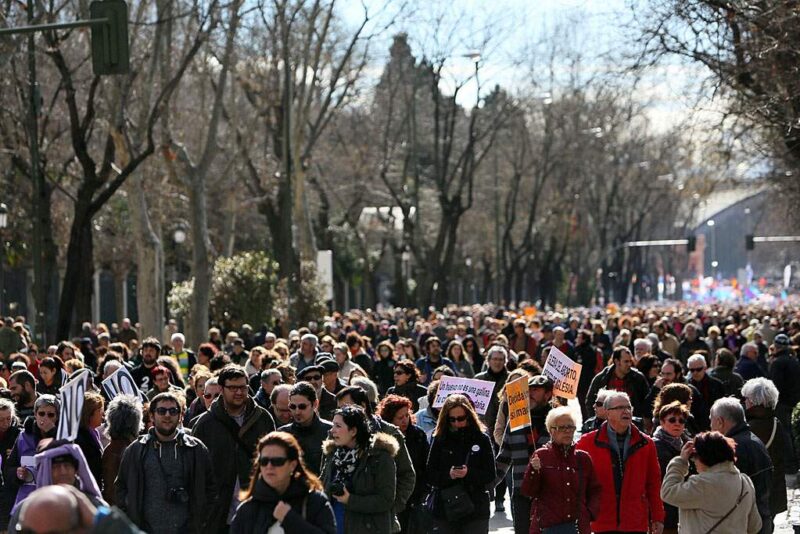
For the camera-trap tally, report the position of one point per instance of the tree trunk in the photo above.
(75, 305)
(149, 263)
(229, 226)
(201, 296)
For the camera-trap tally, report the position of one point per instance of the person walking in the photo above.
(560, 480)
(307, 427)
(283, 492)
(460, 467)
(670, 437)
(719, 498)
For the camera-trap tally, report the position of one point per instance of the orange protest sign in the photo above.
(518, 413)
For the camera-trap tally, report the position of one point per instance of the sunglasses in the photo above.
(164, 411)
(277, 461)
(313, 377)
(673, 420)
(300, 407)
(51, 415)
(695, 370)
(209, 396)
(459, 419)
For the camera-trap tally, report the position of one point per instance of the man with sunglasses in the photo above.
(165, 481)
(709, 387)
(307, 426)
(230, 429)
(327, 400)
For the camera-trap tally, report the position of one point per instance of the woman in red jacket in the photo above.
(560, 480)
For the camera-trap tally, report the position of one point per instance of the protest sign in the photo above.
(121, 383)
(518, 411)
(479, 391)
(564, 373)
(69, 418)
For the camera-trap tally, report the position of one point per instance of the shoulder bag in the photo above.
(724, 517)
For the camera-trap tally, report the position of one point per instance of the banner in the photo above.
(121, 382)
(564, 373)
(69, 419)
(479, 391)
(518, 410)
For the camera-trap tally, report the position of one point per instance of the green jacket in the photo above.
(370, 509)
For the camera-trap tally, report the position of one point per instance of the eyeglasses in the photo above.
(696, 369)
(459, 419)
(313, 377)
(673, 420)
(300, 407)
(564, 428)
(277, 461)
(209, 396)
(623, 408)
(164, 411)
(51, 415)
(236, 388)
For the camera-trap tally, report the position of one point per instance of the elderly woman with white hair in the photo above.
(760, 398)
(560, 480)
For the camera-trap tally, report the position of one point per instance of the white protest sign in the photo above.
(69, 418)
(479, 391)
(121, 382)
(564, 373)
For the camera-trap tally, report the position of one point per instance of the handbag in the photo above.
(456, 502)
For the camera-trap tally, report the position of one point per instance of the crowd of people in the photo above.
(688, 421)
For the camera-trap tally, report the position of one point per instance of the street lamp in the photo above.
(714, 262)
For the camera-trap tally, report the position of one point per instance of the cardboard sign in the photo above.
(479, 391)
(121, 382)
(564, 373)
(518, 410)
(69, 418)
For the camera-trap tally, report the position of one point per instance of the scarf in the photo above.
(676, 443)
(344, 464)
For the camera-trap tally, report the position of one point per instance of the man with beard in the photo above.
(433, 359)
(23, 391)
(520, 444)
(165, 481)
(142, 374)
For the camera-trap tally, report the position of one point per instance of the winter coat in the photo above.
(111, 460)
(556, 490)
(499, 379)
(198, 474)
(710, 389)
(418, 448)
(311, 512)
(784, 371)
(310, 439)
(771, 432)
(93, 452)
(327, 404)
(383, 374)
(732, 380)
(636, 386)
(232, 457)
(753, 460)
(705, 498)
(638, 500)
(455, 449)
(370, 509)
(748, 368)
(666, 452)
(519, 445)
(24, 447)
(405, 474)
(413, 391)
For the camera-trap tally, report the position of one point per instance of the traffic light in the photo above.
(749, 243)
(691, 243)
(110, 53)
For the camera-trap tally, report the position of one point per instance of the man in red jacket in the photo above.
(626, 464)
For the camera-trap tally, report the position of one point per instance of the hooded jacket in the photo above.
(638, 499)
(370, 509)
(131, 484)
(311, 512)
(231, 449)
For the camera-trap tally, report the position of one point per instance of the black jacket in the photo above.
(753, 460)
(454, 449)
(310, 439)
(710, 388)
(92, 452)
(413, 391)
(784, 371)
(635, 384)
(418, 448)
(383, 374)
(327, 404)
(232, 450)
(311, 512)
(499, 379)
(130, 484)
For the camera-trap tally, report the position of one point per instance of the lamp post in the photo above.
(714, 263)
(3, 226)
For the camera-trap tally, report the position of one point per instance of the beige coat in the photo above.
(703, 499)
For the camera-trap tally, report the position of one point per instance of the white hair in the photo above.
(555, 413)
(696, 358)
(601, 395)
(643, 342)
(613, 395)
(177, 335)
(729, 409)
(496, 348)
(310, 337)
(749, 346)
(761, 392)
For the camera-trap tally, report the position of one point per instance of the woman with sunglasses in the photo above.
(406, 383)
(19, 471)
(282, 492)
(359, 474)
(670, 437)
(560, 480)
(461, 455)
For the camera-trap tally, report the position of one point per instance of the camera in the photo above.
(337, 489)
(178, 495)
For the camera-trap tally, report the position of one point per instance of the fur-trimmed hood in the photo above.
(379, 442)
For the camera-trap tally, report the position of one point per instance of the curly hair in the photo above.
(392, 404)
(124, 418)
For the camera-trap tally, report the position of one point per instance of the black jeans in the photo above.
(521, 513)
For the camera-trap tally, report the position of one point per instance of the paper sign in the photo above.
(121, 382)
(479, 391)
(518, 411)
(69, 418)
(564, 373)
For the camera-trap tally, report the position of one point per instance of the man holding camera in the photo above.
(165, 482)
